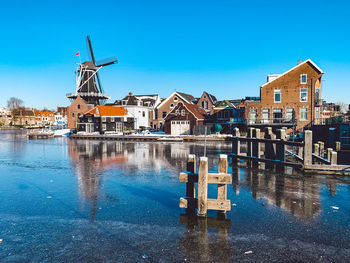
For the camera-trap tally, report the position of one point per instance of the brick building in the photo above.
(296, 92)
(183, 118)
(207, 102)
(78, 106)
(168, 105)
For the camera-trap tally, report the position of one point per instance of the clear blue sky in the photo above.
(224, 47)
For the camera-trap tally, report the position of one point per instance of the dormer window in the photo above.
(175, 98)
(303, 79)
(123, 102)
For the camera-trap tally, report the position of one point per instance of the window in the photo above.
(177, 112)
(103, 119)
(252, 115)
(73, 114)
(303, 114)
(289, 114)
(175, 98)
(163, 114)
(78, 106)
(89, 119)
(112, 119)
(183, 112)
(277, 95)
(204, 104)
(265, 115)
(124, 102)
(303, 95)
(277, 115)
(171, 105)
(143, 114)
(103, 127)
(303, 78)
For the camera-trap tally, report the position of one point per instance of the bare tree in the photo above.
(343, 106)
(14, 103)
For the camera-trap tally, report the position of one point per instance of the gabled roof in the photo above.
(299, 65)
(211, 97)
(108, 111)
(186, 97)
(197, 111)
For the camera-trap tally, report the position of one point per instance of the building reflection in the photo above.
(299, 196)
(91, 157)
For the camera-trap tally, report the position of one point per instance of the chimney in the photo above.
(130, 93)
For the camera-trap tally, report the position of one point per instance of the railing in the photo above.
(82, 94)
(270, 121)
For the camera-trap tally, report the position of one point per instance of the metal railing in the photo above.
(270, 121)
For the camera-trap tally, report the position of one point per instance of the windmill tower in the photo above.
(88, 83)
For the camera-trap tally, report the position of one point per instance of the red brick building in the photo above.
(296, 92)
(207, 102)
(183, 118)
(78, 106)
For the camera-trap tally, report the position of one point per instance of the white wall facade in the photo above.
(140, 113)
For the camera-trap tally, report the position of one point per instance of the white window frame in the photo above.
(112, 119)
(300, 114)
(103, 119)
(175, 98)
(172, 105)
(301, 79)
(301, 100)
(104, 127)
(183, 112)
(277, 91)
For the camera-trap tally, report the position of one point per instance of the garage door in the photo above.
(180, 127)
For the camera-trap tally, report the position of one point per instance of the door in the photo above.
(89, 128)
(180, 128)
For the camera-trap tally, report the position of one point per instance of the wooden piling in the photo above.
(317, 149)
(250, 144)
(329, 153)
(280, 147)
(236, 143)
(222, 188)
(191, 168)
(202, 187)
(334, 157)
(321, 144)
(308, 148)
(256, 144)
(337, 146)
(269, 150)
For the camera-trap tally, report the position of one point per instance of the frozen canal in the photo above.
(67, 200)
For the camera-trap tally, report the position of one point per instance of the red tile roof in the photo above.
(197, 111)
(108, 111)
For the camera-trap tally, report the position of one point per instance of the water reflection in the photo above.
(196, 243)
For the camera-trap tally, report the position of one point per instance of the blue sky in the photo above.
(224, 47)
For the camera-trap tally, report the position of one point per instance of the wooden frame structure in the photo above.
(203, 178)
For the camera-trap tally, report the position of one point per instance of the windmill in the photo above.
(88, 82)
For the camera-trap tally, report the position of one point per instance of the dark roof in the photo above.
(212, 98)
(23, 112)
(187, 97)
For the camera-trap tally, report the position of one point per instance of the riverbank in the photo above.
(140, 137)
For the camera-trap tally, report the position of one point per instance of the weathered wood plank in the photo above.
(212, 204)
(222, 188)
(213, 178)
(202, 186)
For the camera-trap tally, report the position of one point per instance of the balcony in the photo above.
(270, 122)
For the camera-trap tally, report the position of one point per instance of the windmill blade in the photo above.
(99, 82)
(90, 51)
(106, 62)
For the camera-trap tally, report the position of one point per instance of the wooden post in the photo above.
(301, 151)
(269, 151)
(329, 153)
(280, 147)
(250, 144)
(236, 143)
(202, 187)
(222, 188)
(307, 147)
(317, 149)
(191, 168)
(337, 146)
(256, 145)
(334, 157)
(321, 144)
